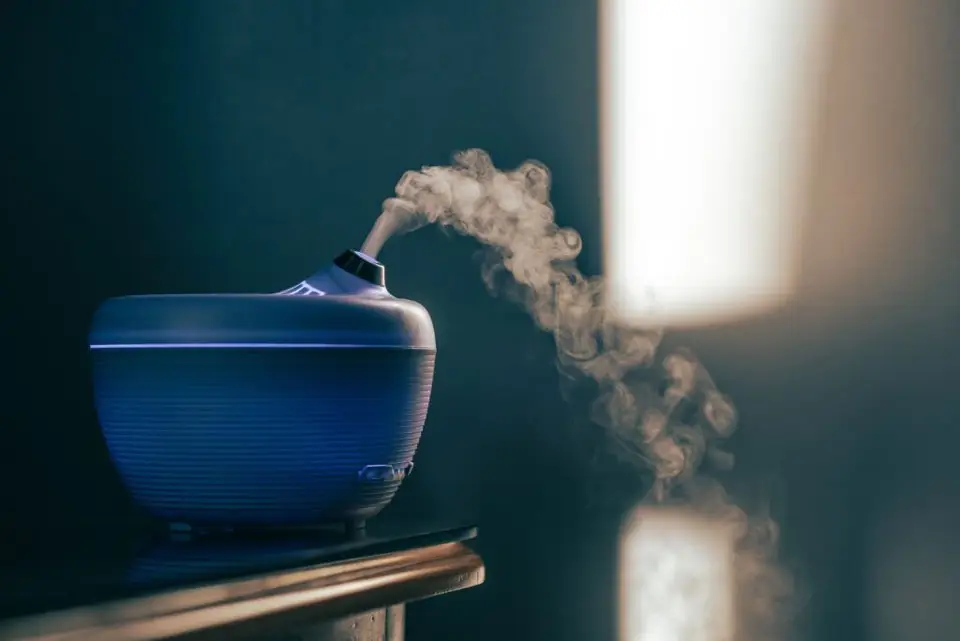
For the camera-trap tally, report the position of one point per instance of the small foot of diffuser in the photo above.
(355, 529)
(186, 531)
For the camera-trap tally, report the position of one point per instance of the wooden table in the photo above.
(270, 589)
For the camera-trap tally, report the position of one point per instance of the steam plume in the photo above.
(670, 427)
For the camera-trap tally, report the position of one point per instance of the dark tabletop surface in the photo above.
(84, 570)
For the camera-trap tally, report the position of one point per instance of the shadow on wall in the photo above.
(880, 263)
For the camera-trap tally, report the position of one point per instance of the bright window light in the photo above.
(677, 578)
(705, 110)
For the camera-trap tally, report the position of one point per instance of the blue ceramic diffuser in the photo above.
(298, 408)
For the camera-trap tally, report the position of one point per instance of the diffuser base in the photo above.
(350, 529)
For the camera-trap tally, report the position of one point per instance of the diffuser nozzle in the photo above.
(362, 266)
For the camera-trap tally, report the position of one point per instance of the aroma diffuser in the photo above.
(303, 407)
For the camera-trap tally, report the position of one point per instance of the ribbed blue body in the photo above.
(262, 435)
